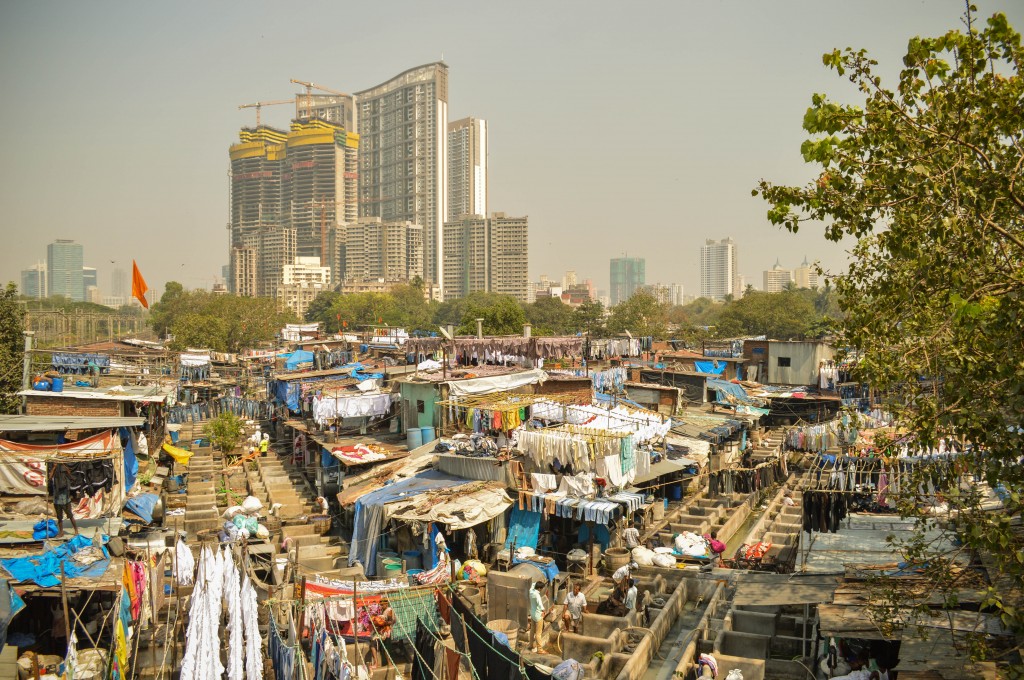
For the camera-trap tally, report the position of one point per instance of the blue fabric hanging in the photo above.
(131, 461)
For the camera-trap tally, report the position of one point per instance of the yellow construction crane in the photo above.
(260, 105)
(309, 92)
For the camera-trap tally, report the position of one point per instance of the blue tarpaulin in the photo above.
(523, 528)
(131, 463)
(726, 389)
(44, 569)
(299, 356)
(712, 367)
(142, 505)
(368, 519)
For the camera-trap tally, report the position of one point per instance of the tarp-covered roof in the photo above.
(369, 516)
(457, 508)
(31, 423)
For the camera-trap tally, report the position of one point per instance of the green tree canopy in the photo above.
(786, 315)
(549, 316)
(927, 177)
(641, 315)
(589, 318)
(12, 346)
(502, 314)
(225, 323)
(320, 310)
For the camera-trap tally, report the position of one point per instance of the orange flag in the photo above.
(139, 286)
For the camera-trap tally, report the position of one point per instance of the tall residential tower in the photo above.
(719, 273)
(467, 168)
(487, 254)
(403, 155)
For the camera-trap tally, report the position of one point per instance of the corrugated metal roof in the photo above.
(53, 423)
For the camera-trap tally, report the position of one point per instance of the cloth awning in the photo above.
(666, 467)
(457, 508)
(497, 383)
(369, 516)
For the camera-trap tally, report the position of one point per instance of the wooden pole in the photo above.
(355, 624)
(64, 602)
(302, 622)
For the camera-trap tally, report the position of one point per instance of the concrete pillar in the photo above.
(527, 330)
(479, 328)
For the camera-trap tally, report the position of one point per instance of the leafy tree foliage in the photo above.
(549, 316)
(320, 310)
(641, 315)
(589, 318)
(927, 176)
(12, 345)
(782, 315)
(502, 314)
(225, 431)
(225, 323)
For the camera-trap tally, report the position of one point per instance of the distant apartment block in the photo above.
(298, 296)
(489, 254)
(719, 271)
(33, 281)
(666, 293)
(65, 274)
(403, 155)
(777, 278)
(626, 275)
(306, 270)
(118, 283)
(805, 276)
(386, 251)
(467, 168)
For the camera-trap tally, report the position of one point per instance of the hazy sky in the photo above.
(620, 127)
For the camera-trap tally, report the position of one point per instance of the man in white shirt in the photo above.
(575, 605)
(622, 573)
(537, 612)
(631, 597)
(631, 536)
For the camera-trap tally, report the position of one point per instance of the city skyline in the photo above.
(125, 188)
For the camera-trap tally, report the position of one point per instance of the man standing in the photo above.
(621, 576)
(537, 613)
(631, 536)
(264, 445)
(575, 605)
(59, 486)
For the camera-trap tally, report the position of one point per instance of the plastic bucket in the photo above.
(428, 433)
(414, 438)
(392, 570)
(382, 557)
(675, 492)
(174, 437)
(615, 558)
(412, 576)
(57, 384)
(413, 559)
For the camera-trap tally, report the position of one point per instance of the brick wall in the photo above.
(67, 406)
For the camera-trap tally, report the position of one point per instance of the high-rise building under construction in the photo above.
(403, 136)
(289, 192)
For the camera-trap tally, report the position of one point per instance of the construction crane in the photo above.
(260, 105)
(309, 93)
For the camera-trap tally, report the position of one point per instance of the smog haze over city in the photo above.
(617, 128)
